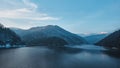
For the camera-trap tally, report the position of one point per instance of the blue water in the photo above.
(59, 57)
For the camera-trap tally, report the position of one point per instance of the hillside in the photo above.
(37, 33)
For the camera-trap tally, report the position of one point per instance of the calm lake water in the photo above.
(66, 57)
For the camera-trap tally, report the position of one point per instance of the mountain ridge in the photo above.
(95, 38)
(50, 31)
(111, 41)
(7, 36)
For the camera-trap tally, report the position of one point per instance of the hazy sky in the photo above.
(77, 16)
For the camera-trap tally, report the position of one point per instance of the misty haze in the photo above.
(59, 34)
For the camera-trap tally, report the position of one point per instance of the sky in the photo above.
(76, 16)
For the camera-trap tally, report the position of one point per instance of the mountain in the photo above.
(111, 41)
(18, 31)
(38, 33)
(95, 38)
(7, 36)
(49, 41)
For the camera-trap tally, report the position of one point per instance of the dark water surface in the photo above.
(44, 57)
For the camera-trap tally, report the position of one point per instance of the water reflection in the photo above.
(58, 57)
(113, 53)
(66, 50)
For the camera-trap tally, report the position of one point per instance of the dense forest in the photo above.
(7, 36)
(49, 41)
(111, 41)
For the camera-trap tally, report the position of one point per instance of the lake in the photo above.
(59, 57)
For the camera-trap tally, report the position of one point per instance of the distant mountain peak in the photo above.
(43, 27)
(46, 26)
(37, 33)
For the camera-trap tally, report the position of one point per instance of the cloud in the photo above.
(28, 12)
(25, 14)
(30, 4)
(8, 23)
(19, 24)
(103, 33)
